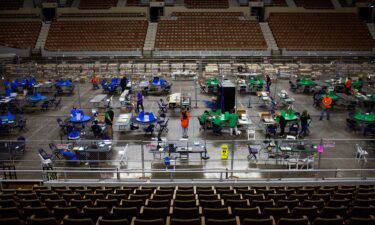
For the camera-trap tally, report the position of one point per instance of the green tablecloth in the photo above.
(290, 116)
(256, 82)
(365, 117)
(306, 82)
(212, 81)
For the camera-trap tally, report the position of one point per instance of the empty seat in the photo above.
(83, 221)
(124, 213)
(361, 221)
(11, 221)
(154, 213)
(39, 212)
(109, 203)
(332, 212)
(217, 213)
(175, 221)
(102, 221)
(94, 212)
(81, 203)
(267, 221)
(288, 203)
(157, 203)
(138, 221)
(60, 212)
(290, 221)
(211, 203)
(131, 203)
(328, 221)
(184, 203)
(185, 213)
(42, 221)
(310, 212)
(231, 221)
(242, 203)
(53, 203)
(276, 213)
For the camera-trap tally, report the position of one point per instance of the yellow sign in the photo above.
(224, 152)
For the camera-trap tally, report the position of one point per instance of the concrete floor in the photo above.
(43, 129)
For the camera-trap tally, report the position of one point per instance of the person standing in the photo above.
(95, 81)
(232, 122)
(140, 98)
(268, 82)
(326, 105)
(282, 123)
(305, 117)
(109, 115)
(348, 85)
(185, 123)
(123, 83)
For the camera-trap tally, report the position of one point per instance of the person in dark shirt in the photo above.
(123, 83)
(96, 129)
(305, 118)
(268, 83)
(109, 121)
(282, 123)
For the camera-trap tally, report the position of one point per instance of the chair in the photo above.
(137, 221)
(31, 203)
(362, 212)
(184, 203)
(102, 221)
(311, 203)
(242, 213)
(361, 221)
(9, 212)
(276, 213)
(339, 202)
(268, 221)
(38, 212)
(149, 131)
(290, 221)
(216, 213)
(124, 213)
(41, 221)
(231, 221)
(162, 196)
(60, 212)
(19, 146)
(328, 221)
(185, 197)
(310, 212)
(276, 197)
(7, 203)
(332, 212)
(211, 203)
(195, 221)
(118, 197)
(291, 204)
(242, 203)
(262, 204)
(185, 213)
(68, 197)
(157, 203)
(11, 221)
(208, 196)
(81, 203)
(51, 196)
(81, 221)
(142, 197)
(109, 203)
(94, 212)
(131, 203)
(154, 213)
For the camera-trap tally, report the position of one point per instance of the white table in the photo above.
(184, 74)
(124, 98)
(122, 121)
(98, 99)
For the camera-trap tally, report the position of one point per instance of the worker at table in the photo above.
(282, 123)
(326, 106)
(348, 85)
(305, 118)
(217, 126)
(232, 122)
(109, 121)
(203, 120)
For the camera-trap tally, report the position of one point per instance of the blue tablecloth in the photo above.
(64, 83)
(83, 119)
(37, 98)
(146, 117)
(9, 118)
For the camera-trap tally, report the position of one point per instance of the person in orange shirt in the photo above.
(326, 105)
(348, 85)
(185, 123)
(95, 81)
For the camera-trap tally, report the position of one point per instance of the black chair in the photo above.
(328, 221)
(208, 197)
(94, 212)
(81, 221)
(185, 213)
(362, 212)
(262, 204)
(290, 221)
(11, 221)
(102, 221)
(310, 212)
(137, 221)
(154, 213)
(250, 213)
(317, 203)
(291, 204)
(81, 203)
(231, 221)
(10, 212)
(7, 203)
(184, 203)
(242, 203)
(161, 196)
(38, 212)
(216, 213)
(109, 203)
(175, 221)
(124, 213)
(131, 203)
(41, 221)
(361, 221)
(332, 212)
(211, 203)
(276, 213)
(268, 221)
(60, 212)
(118, 197)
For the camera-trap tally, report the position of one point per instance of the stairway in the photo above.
(121, 3)
(28, 4)
(42, 37)
(268, 36)
(291, 3)
(336, 4)
(150, 37)
(371, 28)
(75, 4)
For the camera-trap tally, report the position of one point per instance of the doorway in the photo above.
(156, 13)
(49, 14)
(365, 13)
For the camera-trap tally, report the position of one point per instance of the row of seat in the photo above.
(316, 4)
(19, 34)
(97, 4)
(336, 31)
(206, 4)
(193, 15)
(83, 15)
(280, 3)
(10, 4)
(215, 33)
(97, 35)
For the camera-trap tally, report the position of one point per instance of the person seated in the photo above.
(203, 120)
(217, 126)
(97, 130)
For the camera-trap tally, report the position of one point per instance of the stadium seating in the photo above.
(320, 31)
(19, 34)
(222, 33)
(85, 15)
(174, 204)
(192, 15)
(133, 2)
(316, 4)
(10, 4)
(97, 4)
(97, 35)
(279, 3)
(206, 4)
